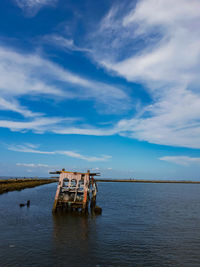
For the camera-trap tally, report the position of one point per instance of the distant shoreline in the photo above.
(142, 181)
(17, 184)
(147, 181)
(7, 185)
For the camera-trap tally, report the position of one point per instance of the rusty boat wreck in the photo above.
(76, 192)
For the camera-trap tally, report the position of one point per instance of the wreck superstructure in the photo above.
(76, 191)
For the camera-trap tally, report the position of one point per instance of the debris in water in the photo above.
(27, 204)
(97, 210)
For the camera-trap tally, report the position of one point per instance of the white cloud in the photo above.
(29, 149)
(25, 75)
(157, 43)
(33, 165)
(167, 123)
(87, 131)
(31, 7)
(63, 42)
(87, 158)
(181, 160)
(173, 120)
(38, 125)
(13, 105)
(165, 30)
(32, 75)
(31, 145)
(59, 126)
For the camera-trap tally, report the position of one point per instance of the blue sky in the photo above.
(111, 86)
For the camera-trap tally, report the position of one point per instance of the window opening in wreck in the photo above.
(81, 185)
(73, 183)
(65, 182)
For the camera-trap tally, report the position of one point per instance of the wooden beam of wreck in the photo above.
(90, 174)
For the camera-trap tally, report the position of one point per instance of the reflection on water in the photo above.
(70, 230)
(141, 225)
(70, 226)
(72, 237)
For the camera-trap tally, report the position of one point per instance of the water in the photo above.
(141, 225)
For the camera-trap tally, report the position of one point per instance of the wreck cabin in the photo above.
(75, 191)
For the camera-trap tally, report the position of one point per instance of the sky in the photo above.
(106, 85)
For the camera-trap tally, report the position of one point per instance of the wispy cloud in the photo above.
(25, 75)
(13, 105)
(87, 158)
(156, 43)
(87, 130)
(29, 149)
(33, 165)
(32, 75)
(31, 7)
(63, 42)
(38, 125)
(181, 160)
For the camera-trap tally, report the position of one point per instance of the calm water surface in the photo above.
(141, 225)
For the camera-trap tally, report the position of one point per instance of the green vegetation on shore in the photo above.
(19, 184)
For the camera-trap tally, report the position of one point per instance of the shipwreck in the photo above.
(76, 192)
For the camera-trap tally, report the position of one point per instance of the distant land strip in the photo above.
(148, 181)
(19, 184)
(141, 181)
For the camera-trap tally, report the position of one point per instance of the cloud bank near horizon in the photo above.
(181, 160)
